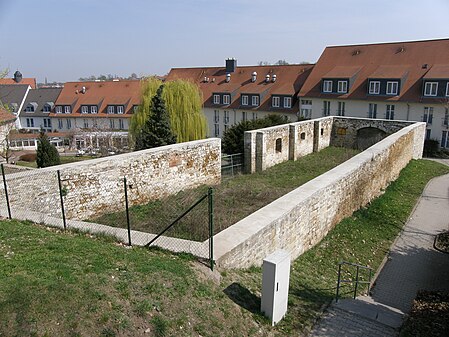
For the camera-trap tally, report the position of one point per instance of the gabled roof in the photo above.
(409, 61)
(13, 93)
(289, 79)
(101, 94)
(25, 81)
(40, 97)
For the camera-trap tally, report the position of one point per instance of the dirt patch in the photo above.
(442, 242)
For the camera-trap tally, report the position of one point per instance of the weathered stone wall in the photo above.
(301, 139)
(322, 133)
(300, 219)
(96, 186)
(272, 146)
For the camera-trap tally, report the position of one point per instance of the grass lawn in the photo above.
(234, 198)
(67, 284)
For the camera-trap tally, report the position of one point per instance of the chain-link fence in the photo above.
(179, 222)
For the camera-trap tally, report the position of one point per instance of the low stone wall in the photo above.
(96, 186)
(300, 219)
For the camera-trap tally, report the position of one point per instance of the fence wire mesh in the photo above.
(87, 203)
(231, 165)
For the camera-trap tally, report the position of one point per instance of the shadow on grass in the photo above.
(243, 297)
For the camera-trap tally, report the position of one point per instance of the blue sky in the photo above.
(67, 39)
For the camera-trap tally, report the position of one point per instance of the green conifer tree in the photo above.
(47, 154)
(156, 130)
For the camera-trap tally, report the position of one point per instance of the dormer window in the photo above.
(447, 89)
(431, 89)
(216, 99)
(135, 108)
(226, 99)
(374, 87)
(275, 101)
(58, 109)
(47, 107)
(93, 109)
(244, 99)
(84, 109)
(31, 107)
(255, 101)
(342, 87)
(110, 109)
(327, 86)
(120, 109)
(67, 109)
(287, 102)
(392, 88)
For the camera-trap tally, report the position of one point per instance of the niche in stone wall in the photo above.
(279, 145)
(303, 135)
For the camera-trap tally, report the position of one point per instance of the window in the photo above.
(374, 87)
(120, 109)
(216, 116)
(47, 123)
(431, 89)
(135, 108)
(226, 127)
(30, 123)
(60, 125)
(244, 99)
(255, 101)
(69, 123)
(110, 109)
(67, 109)
(392, 88)
(446, 118)
(112, 124)
(341, 109)
(327, 86)
(121, 124)
(95, 124)
(47, 108)
(372, 110)
(217, 130)
(287, 102)
(58, 109)
(326, 108)
(226, 117)
(306, 113)
(428, 133)
(84, 109)
(428, 115)
(389, 113)
(244, 116)
(445, 139)
(342, 87)
(226, 99)
(275, 101)
(447, 89)
(306, 102)
(93, 109)
(254, 116)
(29, 108)
(278, 145)
(85, 123)
(216, 99)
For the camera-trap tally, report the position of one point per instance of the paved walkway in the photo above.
(412, 264)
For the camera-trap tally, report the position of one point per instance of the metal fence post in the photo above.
(6, 192)
(338, 283)
(127, 211)
(62, 200)
(232, 164)
(211, 226)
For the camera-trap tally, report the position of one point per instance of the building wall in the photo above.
(220, 124)
(403, 111)
(95, 187)
(300, 219)
(99, 123)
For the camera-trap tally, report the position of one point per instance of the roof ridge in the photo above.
(387, 43)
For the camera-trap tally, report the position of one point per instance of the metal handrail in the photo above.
(357, 281)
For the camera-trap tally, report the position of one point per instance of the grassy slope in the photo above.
(363, 238)
(69, 285)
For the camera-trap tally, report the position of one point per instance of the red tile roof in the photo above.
(30, 81)
(6, 116)
(102, 94)
(289, 79)
(410, 61)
